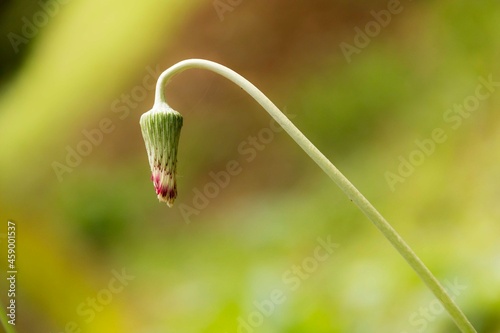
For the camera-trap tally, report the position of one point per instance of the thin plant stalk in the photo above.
(345, 185)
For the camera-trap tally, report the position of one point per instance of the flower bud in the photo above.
(161, 128)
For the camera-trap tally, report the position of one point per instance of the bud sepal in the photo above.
(161, 128)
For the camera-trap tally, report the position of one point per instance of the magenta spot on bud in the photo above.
(165, 186)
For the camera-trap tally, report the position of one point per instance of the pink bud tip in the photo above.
(165, 186)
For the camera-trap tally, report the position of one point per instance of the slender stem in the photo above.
(3, 318)
(345, 185)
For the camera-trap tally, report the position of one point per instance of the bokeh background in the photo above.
(71, 70)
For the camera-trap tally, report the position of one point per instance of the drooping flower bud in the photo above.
(161, 129)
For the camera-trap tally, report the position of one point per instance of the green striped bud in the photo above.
(161, 128)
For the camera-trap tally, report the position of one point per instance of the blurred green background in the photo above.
(74, 176)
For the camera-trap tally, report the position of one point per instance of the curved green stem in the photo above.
(345, 185)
